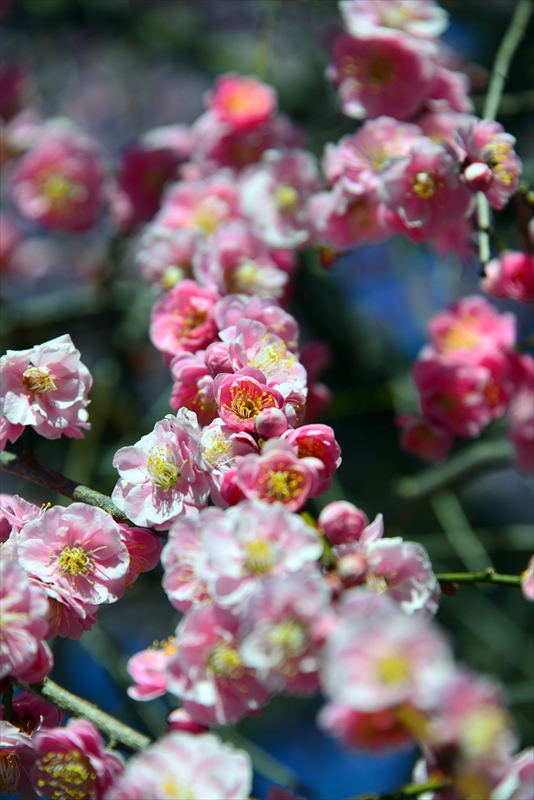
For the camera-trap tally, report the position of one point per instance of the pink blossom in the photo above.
(183, 319)
(15, 512)
(217, 359)
(486, 141)
(67, 616)
(147, 668)
(342, 522)
(144, 549)
(220, 444)
(78, 550)
(517, 785)
(279, 476)
(181, 720)
(10, 237)
(450, 92)
(242, 101)
(375, 731)
(510, 275)
(23, 606)
(458, 239)
(382, 658)
(46, 387)
(183, 764)
(59, 182)
(193, 386)
(422, 438)
(242, 397)
(284, 627)
(17, 757)
(343, 219)
(236, 260)
(164, 257)
(385, 73)
(200, 205)
(274, 196)
(72, 760)
(527, 580)
(271, 422)
(422, 191)
(163, 473)
(234, 307)
(317, 441)
(207, 672)
(143, 174)
(423, 18)
(30, 713)
(15, 89)
(183, 581)
(522, 412)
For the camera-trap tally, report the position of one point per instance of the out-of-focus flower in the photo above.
(510, 275)
(147, 668)
(342, 522)
(17, 757)
(518, 783)
(527, 580)
(182, 320)
(522, 413)
(422, 18)
(343, 219)
(375, 731)
(242, 101)
(234, 307)
(183, 764)
(30, 713)
(422, 438)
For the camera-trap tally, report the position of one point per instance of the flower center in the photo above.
(375, 582)
(244, 278)
(497, 157)
(161, 467)
(191, 319)
(38, 380)
(283, 485)
(291, 635)
(481, 729)
(172, 789)
(286, 198)
(380, 71)
(248, 401)
(66, 775)
(393, 669)
(216, 450)
(9, 773)
(74, 561)
(224, 661)
(259, 556)
(209, 214)
(246, 99)
(273, 358)
(424, 185)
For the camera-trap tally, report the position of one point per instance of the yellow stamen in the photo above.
(224, 661)
(38, 380)
(66, 776)
(282, 484)
(9, 773)
(286, 198)
(259, 556)
(393, 669)
(74, 561)
(424, 185)
(291, 634)
(162, 468)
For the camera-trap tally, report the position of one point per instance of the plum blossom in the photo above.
(143, 548)
(342, 522)
(385, 73)
(67, 616)
(420, 18)
(274, 196)
(30, 713)
(15, 512)
(71, 761)
(78, 550)
(147, 668)
(182, 319)
(422, 438)
(183, 581)
(242, 101)
(522, 412)
(319, 442)
(343, 218)
(163, 473)
(230, 309)
(17, 757)
(517, 785)
(510, 275)
(183, 764)
(193, 386)
(374, 731)
(45, 387)
(23, 607)
(207, 672)
(164, 257)
(200, 206)
(284, 628)
(220, 445)
(527, 580)
(59, 182)
(241, 397)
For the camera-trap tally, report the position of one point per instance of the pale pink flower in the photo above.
(147, 668)
(374, 731)
(458, 239)
(317, 441)
(30, 713)
(422, 438)
(242, 397)
(441, 126)
(200, 205)
(342, 522)
(279, 476)
(274, 196)
(23, 606)
(72, 760)
(386, 73)
(163, 256)
(380, 658)
(518, 784)
(180, 720)
(183, 581)
(144, 549)
(236, 260)
(522, 413)
(527, 580)
(182, 319)
(15, 512)
(59, 181)
(510, 275)
(421, 18)
(78, 550)
(46, 387)
(284, 626)
(180, 764)
(163, 473)
(487, 141)
(423, 192)
(193, 386)
(17, 757)
(230, 309)
(207, 672)
(67, 616)
(242, 101)
(344, 219)
(450, 92)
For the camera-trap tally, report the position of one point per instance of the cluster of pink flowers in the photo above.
(468, 376)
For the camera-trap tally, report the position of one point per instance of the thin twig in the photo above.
(486, 576)
(411, 790)
(111, 728)
(514, 33)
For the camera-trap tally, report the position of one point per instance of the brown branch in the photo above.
(111, 728)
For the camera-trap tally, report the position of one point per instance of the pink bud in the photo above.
(180, 720)
(217, 359)
(271, 422)
(342, 522)
(478, 176)
(352, 569)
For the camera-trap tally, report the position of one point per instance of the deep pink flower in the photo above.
(422, 438)
(200, 205)
(279, 476)
(79, 550)
(423, 18)
(242, 101)
(185, 765)
(527, 580)
(217, 359)
(17, 757)
(386, 73)
(522, 412)
(375, 731)
(72, 761)
(230, 309)
(343, 219)
(274, 195)
(342, 522)
(317, 441)
(67, 616)
(423, 190)
(46, 387)
(181, 720)
(144, 549)
(193, 386)
(450, 92)
(183, 319)
(271, 422)
(163, 473)
(510, 275)
(30, 713)
(241, 398)
(147, 668)
(487, 141)
(59, 182)
(23, 606)
(207, 672)
(284, 627)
